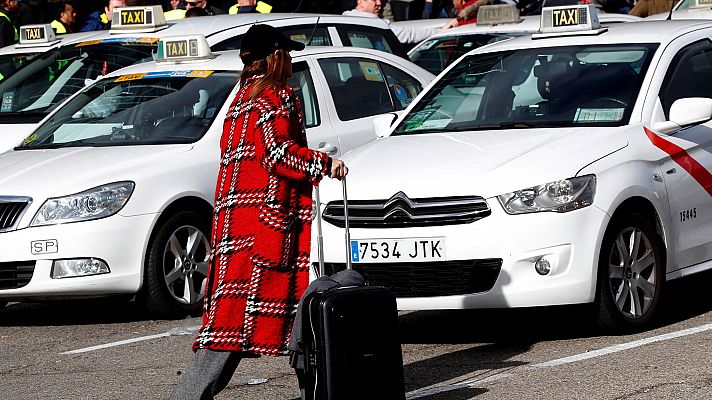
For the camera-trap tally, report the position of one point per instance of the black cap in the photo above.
(262, 40)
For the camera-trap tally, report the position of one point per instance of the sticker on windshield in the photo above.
(196, 73)
(124, 40)
(435, 123)
(599, 114)
(8, 99)
(371, 71)
(30, 139)
(301, 38)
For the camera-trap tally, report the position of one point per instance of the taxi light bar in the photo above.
(183, 48)
(569, 21)
(697, 4)
(37, 35)
(137, 19)
(497, 14)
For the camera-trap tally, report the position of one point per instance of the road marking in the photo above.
(560, 361)
(182, 331)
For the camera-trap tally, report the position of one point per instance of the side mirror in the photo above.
(684, 112)
(382, 124)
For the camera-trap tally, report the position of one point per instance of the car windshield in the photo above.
(436, 54)
(538, 87)
(153, 108)
(57, 74)
(9, 63)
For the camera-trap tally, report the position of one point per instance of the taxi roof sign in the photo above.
(137, 19)
(697, 4)
(569, 21)
(497, 14)
(183, 48)
(37, 35)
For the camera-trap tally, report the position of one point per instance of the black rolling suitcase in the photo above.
(350, 339)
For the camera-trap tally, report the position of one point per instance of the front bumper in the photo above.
(119, 241)
(569, 241)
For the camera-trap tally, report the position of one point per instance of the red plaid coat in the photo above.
(261, 225)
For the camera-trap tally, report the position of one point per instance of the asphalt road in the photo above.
(103, 349)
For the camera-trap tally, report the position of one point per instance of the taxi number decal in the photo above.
(683, 159)
(34, 33)
(130, 77)
(44, 246)
(568, 17)
(130, 17)
(687, 215)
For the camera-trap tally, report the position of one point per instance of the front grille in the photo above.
(14, 275)
(11, 209)
(445, 278)
(400, 211)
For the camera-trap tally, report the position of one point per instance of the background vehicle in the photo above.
(112, 194)
(571, 167)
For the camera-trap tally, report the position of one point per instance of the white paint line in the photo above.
(173, 332)
(565, 360)
(623, 346)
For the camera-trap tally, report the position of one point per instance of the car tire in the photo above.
(631, 274)
(176, 266)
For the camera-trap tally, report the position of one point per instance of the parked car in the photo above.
(494, 23)
(40, 87)
(568, 167)
(113, 192)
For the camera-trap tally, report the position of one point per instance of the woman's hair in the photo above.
(274, 71)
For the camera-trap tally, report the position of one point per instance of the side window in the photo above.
(690, 75)
(303, 85)
(371, 38)
(402, 86)
(357, 86)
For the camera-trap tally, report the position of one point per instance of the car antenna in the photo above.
(298, 6)
(311, 35)
(674, 3)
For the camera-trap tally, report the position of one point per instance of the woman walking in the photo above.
(262, 219)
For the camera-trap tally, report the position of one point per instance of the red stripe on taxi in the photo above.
(683, 159)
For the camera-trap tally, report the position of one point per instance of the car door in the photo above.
(320, 135)
(687, 163)
(360, 89)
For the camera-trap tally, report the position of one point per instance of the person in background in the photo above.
(8, 30)
(96, 21)
(250, 6)
(406, 34)
(211, 10)
(66, 16)
(261, 236)
(399, 8)
(645, 8)
(196, 12)
(177, 10)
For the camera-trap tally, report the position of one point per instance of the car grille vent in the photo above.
(10, 211)
(446, 278)
(401, 211)
(14, 275)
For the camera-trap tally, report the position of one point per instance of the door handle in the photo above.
(671, 171)
(327, 148)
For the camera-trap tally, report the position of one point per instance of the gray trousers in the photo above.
(208, 374)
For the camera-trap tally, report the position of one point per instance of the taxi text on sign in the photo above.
(566, 17)
(177, 48)
(35, 33)
(133, 17)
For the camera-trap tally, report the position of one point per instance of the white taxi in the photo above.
(568, 167)
(113, 192)
(34, 40)
(494, 23)
(55, 75)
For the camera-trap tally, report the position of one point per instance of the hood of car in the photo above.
(12, 135)
(486, 163)
(57, 172)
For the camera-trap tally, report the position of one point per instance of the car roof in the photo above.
(230, 60)
(638, 32)
(61, 40)
(217, 23)
(685, 13)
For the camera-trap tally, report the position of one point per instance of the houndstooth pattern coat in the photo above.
(261, 225)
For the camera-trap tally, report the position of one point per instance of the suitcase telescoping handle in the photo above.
(320, 237)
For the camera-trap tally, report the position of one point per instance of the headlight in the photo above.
(95, 203)
(560, 196)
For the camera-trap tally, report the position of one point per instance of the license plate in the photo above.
(397, 250)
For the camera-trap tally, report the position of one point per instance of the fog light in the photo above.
(78, 267)
(542, 266)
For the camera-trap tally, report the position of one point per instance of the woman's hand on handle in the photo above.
(338, 169)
